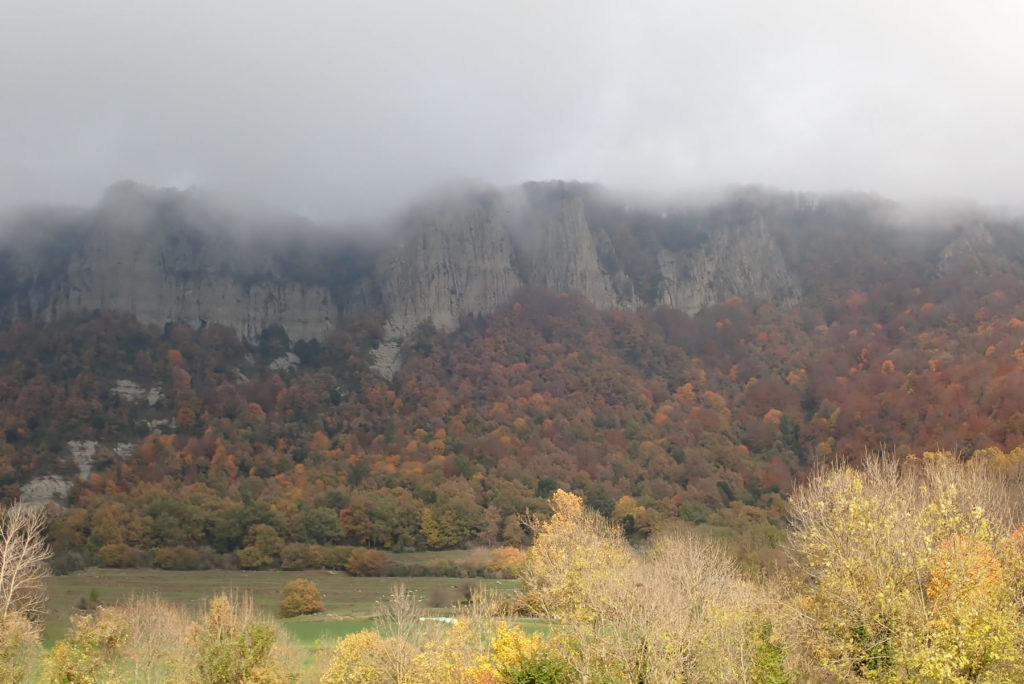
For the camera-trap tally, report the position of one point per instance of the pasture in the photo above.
(349, 602)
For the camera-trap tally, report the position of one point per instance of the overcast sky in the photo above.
(344, 108)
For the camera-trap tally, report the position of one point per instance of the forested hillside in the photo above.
(206, 445)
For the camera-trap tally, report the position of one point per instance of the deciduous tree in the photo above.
(23, 556)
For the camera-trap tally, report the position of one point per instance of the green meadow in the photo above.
(349, 602)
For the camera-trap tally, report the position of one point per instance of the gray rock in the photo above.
(164, 256)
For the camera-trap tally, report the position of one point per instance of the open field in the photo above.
(349, 602)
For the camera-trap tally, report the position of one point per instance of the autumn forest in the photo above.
(899, 344)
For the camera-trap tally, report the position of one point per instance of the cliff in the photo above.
(467, 255)
(168, 256)
(163, 257)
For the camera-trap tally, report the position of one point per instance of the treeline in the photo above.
(268, 553)
(898, 571)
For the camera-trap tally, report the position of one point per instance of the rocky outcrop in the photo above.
(741, 261)
(168, 256)
(130, 390)
(161, 262)
(468, 255)
(45, 489)
(970, 244)
(561, 249)
(456, 258)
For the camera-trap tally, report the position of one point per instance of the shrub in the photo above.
(19, 649)
(302, 557)
(506, 562)
(680, 611)
(67, 562)
(365, 562)
(120, 556)
(262, 548)
(176, 558)
(250, 558)
(156, 632)
(904, 576)
(521, 659)
(87, 653)
(233, 644)
(336, 557)
(365, 658)
(300, 597)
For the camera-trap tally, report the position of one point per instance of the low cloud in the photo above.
(339, 110)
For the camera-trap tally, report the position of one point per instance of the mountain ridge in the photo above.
(166, 256)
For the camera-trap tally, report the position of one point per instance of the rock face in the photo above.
(455, 259)
(468, 257)
(169, 256)
(969, 244)
(161, 260)
(561, 250)
(739, 261)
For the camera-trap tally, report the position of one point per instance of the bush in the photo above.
(335, 557)
(156, 638)
(87, 653)
(365, 562)
(250, 558)
(506, 562)
(365, 658)
(262, 548)
(19, 649)
(300, 597)
(235, 645)
(68, 562)
(176, 558)
(302, 557)
(522, 659)
(904, 573)
(679, 611)
(120, 556)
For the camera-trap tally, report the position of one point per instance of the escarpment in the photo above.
(166, 256)
(469, 255)
(162, 256)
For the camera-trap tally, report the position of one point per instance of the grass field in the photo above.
(349, 602)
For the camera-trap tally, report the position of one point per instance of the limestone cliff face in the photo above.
(167, 256)
(739, 261)
(160, 270)
(561, 249)
(171, 280)
(455, 259)
(970, 244)
(469, 254)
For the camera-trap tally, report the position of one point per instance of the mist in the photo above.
(350, 110)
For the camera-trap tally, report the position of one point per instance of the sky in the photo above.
(349, 108)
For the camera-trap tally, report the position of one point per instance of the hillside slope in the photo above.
(838, 333)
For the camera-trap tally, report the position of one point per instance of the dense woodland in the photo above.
(649, 416)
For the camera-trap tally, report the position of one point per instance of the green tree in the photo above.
(262, 548)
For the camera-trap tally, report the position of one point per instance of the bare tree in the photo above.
(156, 632)
(23, 556)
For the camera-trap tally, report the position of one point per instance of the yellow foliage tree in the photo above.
(364, 658)
(902, 576)
(576, 551)
(679, 612)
